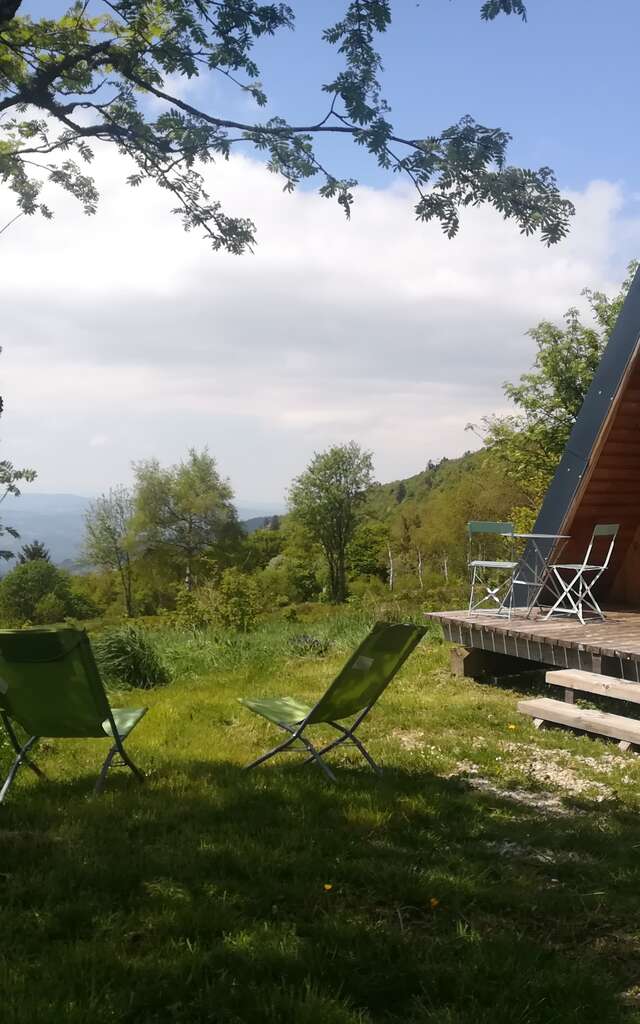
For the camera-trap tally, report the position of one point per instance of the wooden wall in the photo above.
(610, 493)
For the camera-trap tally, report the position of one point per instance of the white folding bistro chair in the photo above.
(491, 579)
(574, 583)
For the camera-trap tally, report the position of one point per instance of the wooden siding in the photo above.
(610, 493)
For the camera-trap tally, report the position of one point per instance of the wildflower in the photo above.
(327, 887)
(433, 902)
(511, 726)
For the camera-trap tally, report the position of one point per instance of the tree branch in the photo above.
(8, 10)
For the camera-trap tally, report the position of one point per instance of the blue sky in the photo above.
(563, 83)
(141, 342)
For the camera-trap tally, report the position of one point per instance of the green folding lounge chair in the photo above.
(353, 692)
(50, 686)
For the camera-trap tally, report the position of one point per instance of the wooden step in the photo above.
(590, 682)
(544, 709)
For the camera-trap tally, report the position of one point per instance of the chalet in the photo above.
(597, 481)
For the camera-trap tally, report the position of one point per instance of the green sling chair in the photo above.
(50, 686)
(354, 691)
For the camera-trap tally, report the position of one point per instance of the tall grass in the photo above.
(193, 652)
(126, 655)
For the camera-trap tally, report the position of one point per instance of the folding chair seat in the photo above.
(491, 579)
(573, 582)
(50, 687)
(351, 695)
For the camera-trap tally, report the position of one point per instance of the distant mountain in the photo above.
(255, 523)
(55, 519)
(246, 513)
(58, 521)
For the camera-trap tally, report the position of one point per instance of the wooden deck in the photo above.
(611, 647)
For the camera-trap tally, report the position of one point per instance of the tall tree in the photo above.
(108, 538)
(36, 551)
(548, 398)
(407, 538)
(326, 499)
(367, 552)
(89, 74)
(260, 547)
(184, 512)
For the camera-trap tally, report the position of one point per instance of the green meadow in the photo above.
(490, 875)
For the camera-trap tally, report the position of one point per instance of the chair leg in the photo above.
(317, 758)
(325, 750)
(367, 756)
(20, 760)
(357, 743)
(270, 753)
(102, 777)
(117, 748)
(18, 747)
(348, 735)
(589, 598)
(566, 587)
(140, 776)
(473, 585)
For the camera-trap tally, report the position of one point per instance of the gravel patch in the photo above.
(549, 804)
(516, 851)
(604, 764)
(555, 767)
(409, 739)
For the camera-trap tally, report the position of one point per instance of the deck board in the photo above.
(618, 636)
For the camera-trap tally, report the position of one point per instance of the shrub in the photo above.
(193, 610)
(367, 590)
(82, 607)
(127, 655)
(51, 608)
(39, 592)
(288, 581)
(237, 600)
(27, 585)
(304, 645)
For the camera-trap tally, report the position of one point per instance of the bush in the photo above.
(304, 645)
(82, 607)
(237, 600)
(288, 581)
(368, 589)
(34, 591)
(127, 655)
(50, 608)
(193, 608)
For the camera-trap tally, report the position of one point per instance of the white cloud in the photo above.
(125, 336)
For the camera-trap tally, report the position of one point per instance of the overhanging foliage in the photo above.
(89, 74)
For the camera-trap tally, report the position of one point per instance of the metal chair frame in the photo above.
(296, 733)
(572, 580)
(22, 750)
(499, 592)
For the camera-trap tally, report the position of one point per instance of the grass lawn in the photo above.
(492, 874)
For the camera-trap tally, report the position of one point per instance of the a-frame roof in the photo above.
(598, 477)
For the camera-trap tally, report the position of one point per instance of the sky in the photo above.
(125, 338)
